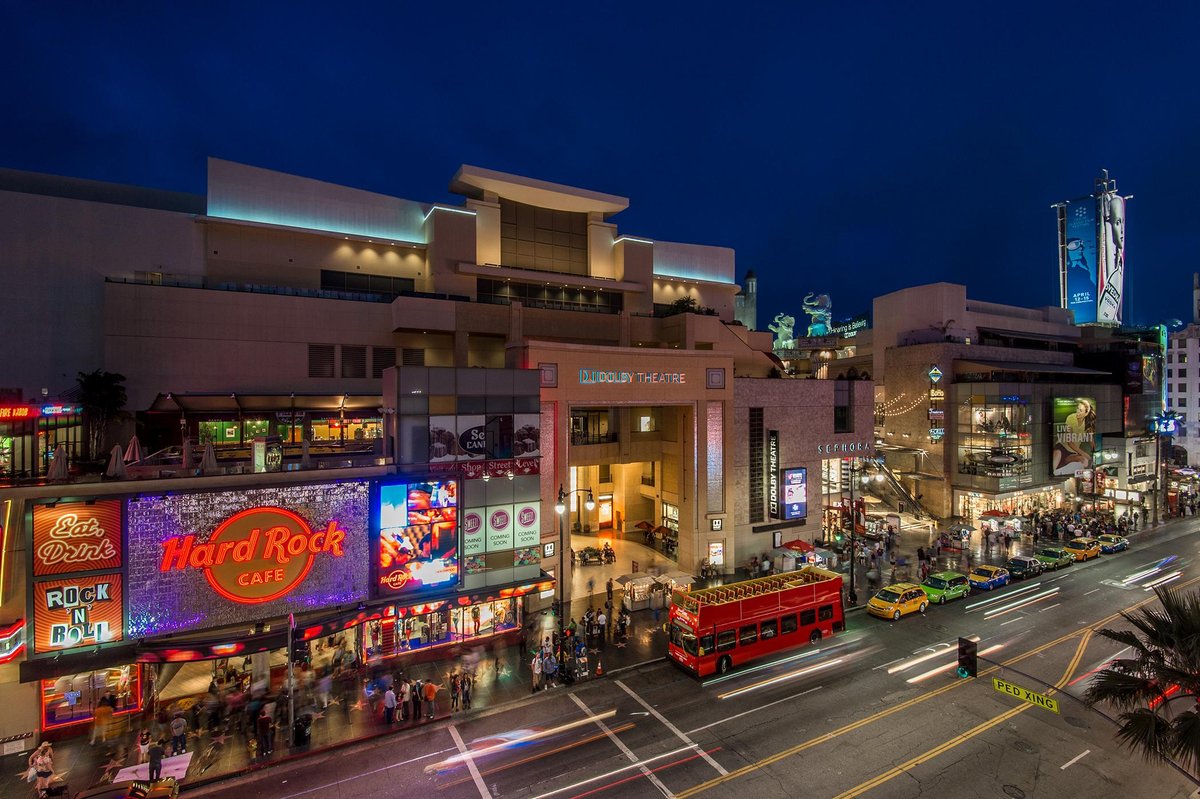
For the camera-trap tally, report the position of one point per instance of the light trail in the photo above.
(996, 613)
(781, 678)
(808, 653)
(951, 664)
(1008, 595)
(450, 762)
(663, 767)
(908, 664)
(1162, 581)
(608, 774)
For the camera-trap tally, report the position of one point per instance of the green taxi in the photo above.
(944, 586)
(1054, 558)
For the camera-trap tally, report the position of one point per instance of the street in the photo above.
(876, 711)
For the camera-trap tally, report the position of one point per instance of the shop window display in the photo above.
(409, 629)
(73, 699)
(995, 440)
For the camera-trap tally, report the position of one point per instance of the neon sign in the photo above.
(773, 474)
(592, 376)
(11, 412)
(256, 555)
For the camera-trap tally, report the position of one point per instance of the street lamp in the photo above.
(560, 507)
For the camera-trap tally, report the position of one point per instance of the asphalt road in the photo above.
(874, 712)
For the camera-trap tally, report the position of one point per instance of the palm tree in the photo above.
(102, 395)
(1164, 671)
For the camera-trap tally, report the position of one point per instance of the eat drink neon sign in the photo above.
(256, 555)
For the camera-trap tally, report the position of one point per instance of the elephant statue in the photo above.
(783, 328)
(820, 310)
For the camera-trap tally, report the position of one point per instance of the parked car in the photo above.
(1022, 566)
(1113, 543)
(165, 788)
(897, 600)
(1083, 548)
(988, 577)
(944, 586)
(1054, 558)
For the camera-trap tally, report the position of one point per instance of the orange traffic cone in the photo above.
(599, 668)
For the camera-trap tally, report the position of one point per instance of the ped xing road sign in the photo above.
(1025, 695)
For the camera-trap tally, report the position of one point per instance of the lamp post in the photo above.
(560, 507)
(857, 472)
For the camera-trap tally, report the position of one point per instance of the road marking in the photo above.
(707, 757)
(1074, 760)
(1089, 593)
(484, 793)
(599, 777)
(754, 710)
(1059, 577)
(854, 725)
(368, 773)
(655, 781)
(1012, 621)
(885, 665)
(983, 727)
(1052, 607)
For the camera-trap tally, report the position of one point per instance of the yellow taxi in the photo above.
(897, 600)
(1083, 548)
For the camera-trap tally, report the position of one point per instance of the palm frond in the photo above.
(1185, 748)
(1147, 734)
(1122, 690)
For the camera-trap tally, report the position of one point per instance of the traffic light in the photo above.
(968, 657)
(299, 650)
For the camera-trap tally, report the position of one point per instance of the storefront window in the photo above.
(671, 517)
(346, 429)
(220, 432)
(995, 439)
(423, 626)
(73, 699)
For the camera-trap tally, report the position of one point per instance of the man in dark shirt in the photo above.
(155, 754)
(265, 739)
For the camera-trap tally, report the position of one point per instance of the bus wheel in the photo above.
(723, 665)
(815, 637)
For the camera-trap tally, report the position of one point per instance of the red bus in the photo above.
(715, 629)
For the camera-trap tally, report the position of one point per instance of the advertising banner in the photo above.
(76, 537)
(773, 509)
(443, 439)
(795, 493)
(213, 559)
(76, 611)
(527, 435)
(500, 527)
(417, 548)
(1081, 259)
(1074, 434)
(1112, 276)
(527, 518)
(473, 535)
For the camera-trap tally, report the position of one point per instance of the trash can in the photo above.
(302, 730)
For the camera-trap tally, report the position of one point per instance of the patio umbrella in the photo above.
(208, 464)
(305, 458)
(644, 525)
(116, 465)
(133, 453)
(58, 464)
(799, 545)
(994, 514)
(960, 528)
(188, 455)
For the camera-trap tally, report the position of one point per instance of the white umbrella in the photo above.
(305, 458)
(116, 465)
(208, 464)
(958, 528)
(133, 453)
(188, 455)
(58, 464)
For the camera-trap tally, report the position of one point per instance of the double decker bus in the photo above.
(715, 629)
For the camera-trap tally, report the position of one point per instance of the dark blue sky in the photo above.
(852, 149)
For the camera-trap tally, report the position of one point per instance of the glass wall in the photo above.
(995, 442)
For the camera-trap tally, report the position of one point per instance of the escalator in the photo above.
(893, 493)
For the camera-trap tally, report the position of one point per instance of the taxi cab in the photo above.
(945, 586)
(897, 600)
(1083, 548)
(988, 577)
(1113, 543)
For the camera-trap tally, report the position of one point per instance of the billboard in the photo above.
(795, 493)
(76, 611)
(1074, 434)
(76, 537)
(213, 559)
(416, 549)
(1111, 277)
(1079, 258)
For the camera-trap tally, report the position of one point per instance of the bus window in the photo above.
(706, 644)
(748, 634)
(825, 612)
(769, 628)
(726, 640)
(808, 617)
(683, 638)
(787, 624)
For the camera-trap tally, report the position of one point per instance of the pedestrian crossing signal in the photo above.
(968, 658)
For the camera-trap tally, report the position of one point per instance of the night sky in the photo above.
(850, 149)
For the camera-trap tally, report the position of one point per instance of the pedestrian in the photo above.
(389, 706)
(179, 728)
(602, 626)
(430, 690)
(417, 693)
(143, 745)
(466, 691)
(455, 691)
(103, 715)
(609, 588)
(535, 666)
(41, 762)
(405, 698)
(154, 756)
(262, 728)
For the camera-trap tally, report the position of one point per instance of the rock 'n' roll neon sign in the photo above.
(256, 555)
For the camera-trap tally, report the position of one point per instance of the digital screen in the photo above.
(795, 493)
(417, 548)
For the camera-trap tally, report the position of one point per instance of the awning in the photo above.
(265, 403)
(1029, 336)
(1027, 366)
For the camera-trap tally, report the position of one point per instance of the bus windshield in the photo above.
(683, 638)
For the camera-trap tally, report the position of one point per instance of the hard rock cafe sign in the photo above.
(256, 555)
(70, 537)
